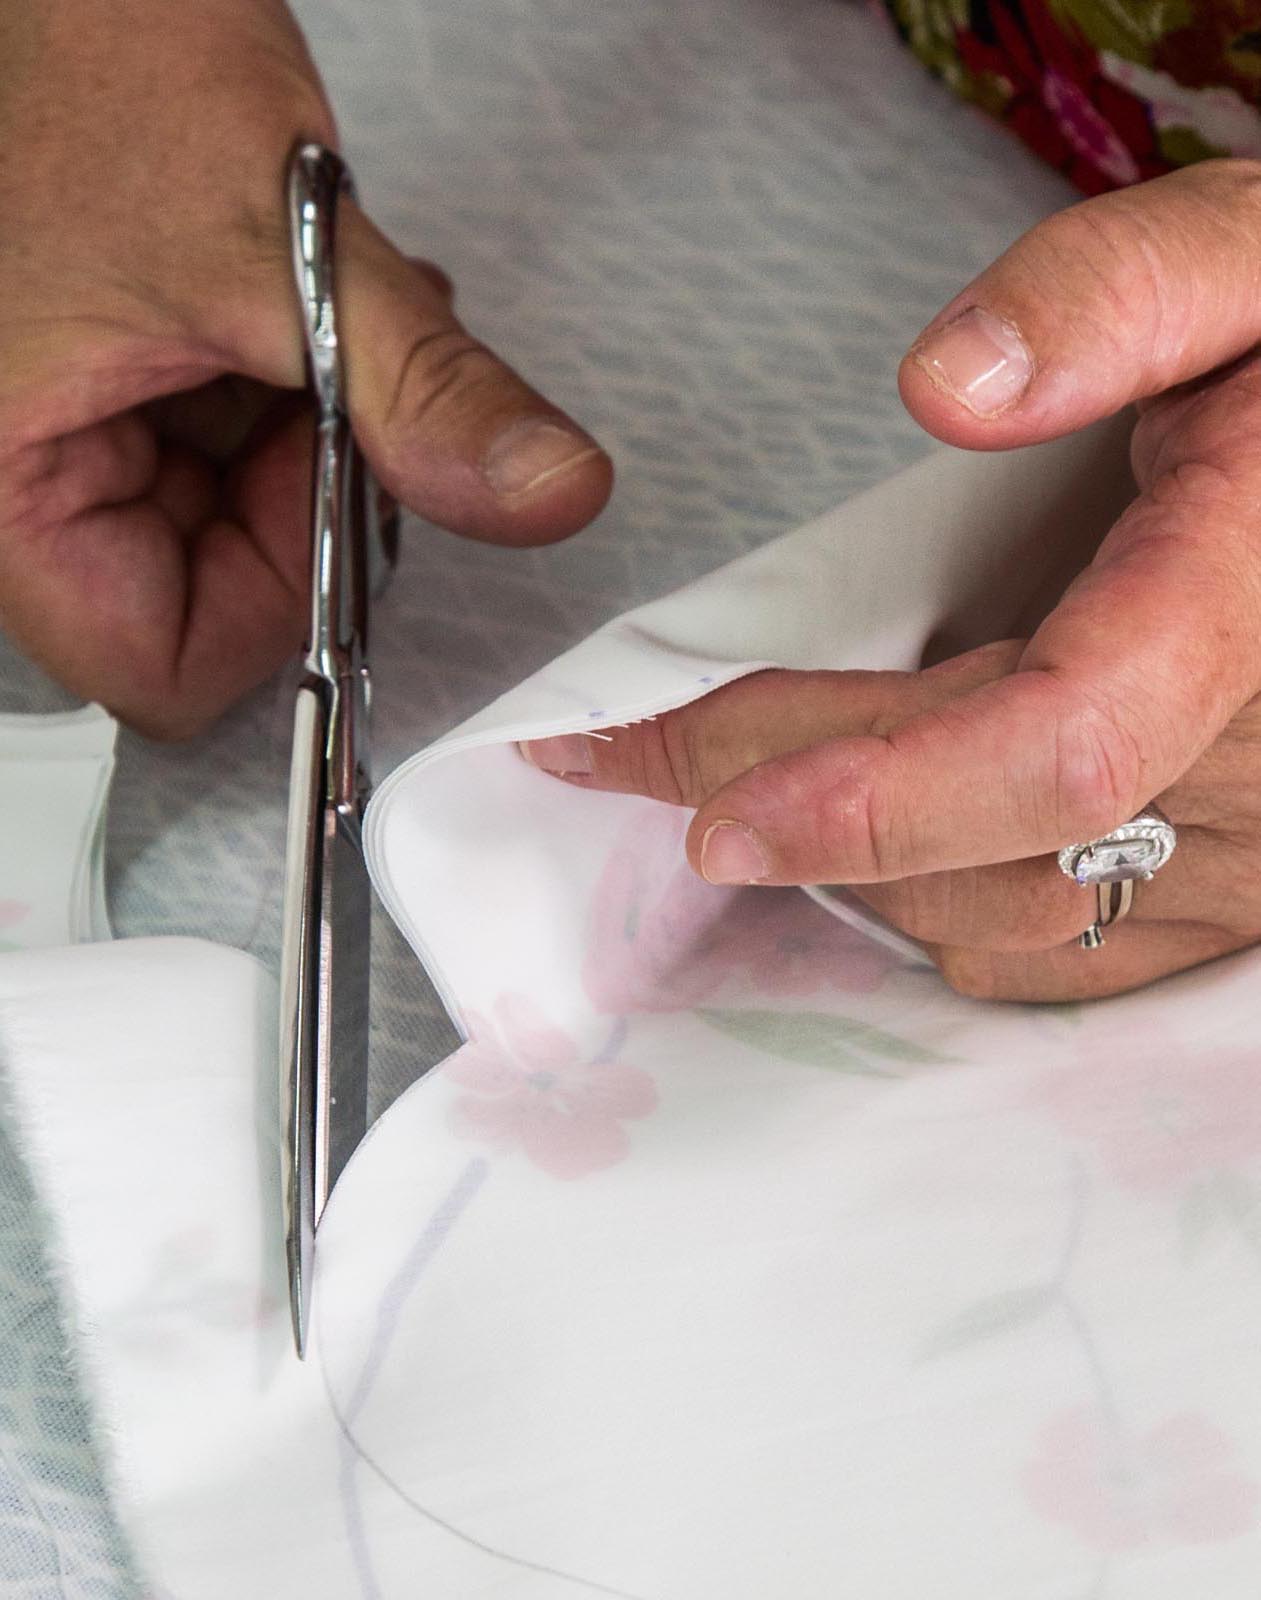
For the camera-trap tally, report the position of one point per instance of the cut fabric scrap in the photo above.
(55, 772)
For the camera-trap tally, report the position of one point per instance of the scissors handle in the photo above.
(343, 496)
(318, 177)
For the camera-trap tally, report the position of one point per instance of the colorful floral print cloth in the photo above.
(1109, 93)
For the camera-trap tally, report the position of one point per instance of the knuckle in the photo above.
(434, 276)
(655, 757)
(658, 757)
(989, 908)
(902, 902)
(1193, 483)
(1191, 448)
(1099, 760)
(853, 820)
(258, 242)
(1107, 250)
(926, 906)
(1034, 927)
(875, 835)
(444, 368)
(682, 766)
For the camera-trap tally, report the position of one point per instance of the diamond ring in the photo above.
(1115, 862)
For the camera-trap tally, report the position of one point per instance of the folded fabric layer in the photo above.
(54, 780)
(733, 1255)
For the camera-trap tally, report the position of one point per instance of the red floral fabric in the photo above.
(1110, 95)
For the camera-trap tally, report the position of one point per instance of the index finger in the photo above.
(1131, 678)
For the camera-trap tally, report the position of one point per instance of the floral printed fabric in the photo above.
(1110, 94)
(733, 1256)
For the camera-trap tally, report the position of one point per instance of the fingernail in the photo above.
(979, 359)
(731, 853)
(528, 453)
(568, 756)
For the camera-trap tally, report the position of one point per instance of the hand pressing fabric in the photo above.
(942, 796)
(153, 455)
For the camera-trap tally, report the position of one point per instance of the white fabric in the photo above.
(54, 780)
(733, 1257)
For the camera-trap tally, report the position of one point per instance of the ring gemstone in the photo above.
(1135, 850)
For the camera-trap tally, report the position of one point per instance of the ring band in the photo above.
(1115, 900)
(1115, 862)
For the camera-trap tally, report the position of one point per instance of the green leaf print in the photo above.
(1129, 28)
(816, 1039)
(987, 1319)
(1185, 146)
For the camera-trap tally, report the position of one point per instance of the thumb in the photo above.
(451, 431)
(1107, 302)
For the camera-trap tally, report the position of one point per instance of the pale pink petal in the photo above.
(608, 971)
(572, 1146)
(483, 1069)
(1214, 1510)
(1159, 1117)
(1229, 1128)
(650, 937)
(684, 942)
(1200, 1498)
(608, 1089)
(13, 911)
(1178, 1483)
(530, 1037)
(1082, 1478)
(496, 1121)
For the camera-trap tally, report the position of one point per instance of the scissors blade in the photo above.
(299, 991)
(325, 987)
(341, 1110)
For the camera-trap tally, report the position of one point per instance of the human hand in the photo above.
(941, 796)
(153, 455)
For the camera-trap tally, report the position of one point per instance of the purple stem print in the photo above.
(355, 1455)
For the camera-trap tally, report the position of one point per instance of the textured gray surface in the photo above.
(708, 227)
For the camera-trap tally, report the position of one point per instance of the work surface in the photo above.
(706, 227)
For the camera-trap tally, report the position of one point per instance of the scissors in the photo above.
(327, 904)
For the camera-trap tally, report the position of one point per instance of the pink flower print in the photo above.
(661, 939)
(1157, 1117)
(13, 912)
(1178, 1484)
(653, 928)
(530, 1088)
(1094, 139)
(789, 945)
